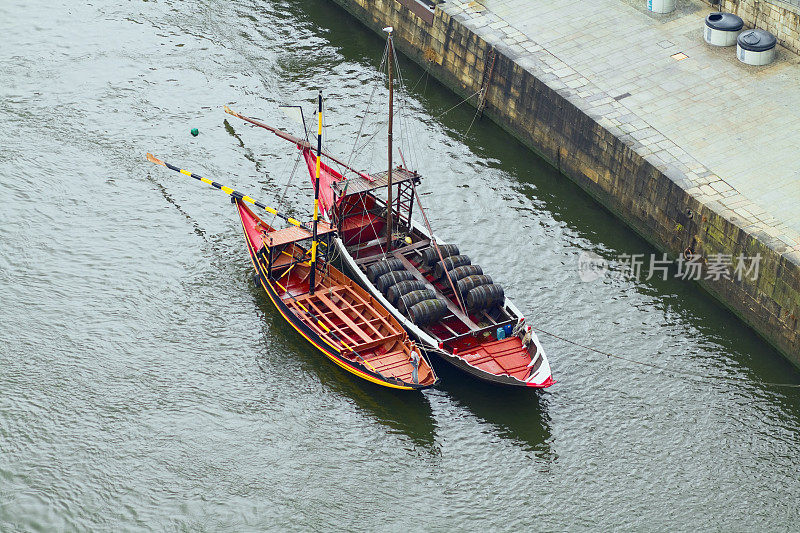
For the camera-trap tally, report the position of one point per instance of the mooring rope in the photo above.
(477, 112)
(403, 114)
(423, 75)
(458, 104)
(702, 377)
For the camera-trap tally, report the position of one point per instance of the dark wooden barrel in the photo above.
(379, 269)
(390, 278)
(414, 297)
(427, 311)
(470, 282)
(451, 263)
(402, 288)
(430, 256)
(464, 271)
(485, 296)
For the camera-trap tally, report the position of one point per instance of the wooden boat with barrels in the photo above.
(330, 310)
(449, 304)
(440, 296)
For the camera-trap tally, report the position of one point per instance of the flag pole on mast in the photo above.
(312, 278)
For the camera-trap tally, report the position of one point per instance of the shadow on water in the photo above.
(404, 412)
(248, 153)
(518, 415)
(542, 189)
(168, 197)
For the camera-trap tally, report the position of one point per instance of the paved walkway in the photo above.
(731, 129)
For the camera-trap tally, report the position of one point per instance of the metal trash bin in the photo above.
(721, 29)
(661, 6)
(756, 47)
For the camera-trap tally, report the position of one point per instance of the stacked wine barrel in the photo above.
(406, 292)
(477, 290)
(419, 304)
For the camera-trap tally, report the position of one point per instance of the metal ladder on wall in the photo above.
(488, 72)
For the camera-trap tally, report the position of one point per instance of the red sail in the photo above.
(327, 176)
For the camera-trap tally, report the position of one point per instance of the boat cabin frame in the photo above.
(359, 195)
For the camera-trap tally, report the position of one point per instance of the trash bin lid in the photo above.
(724, 22)
(756, 40)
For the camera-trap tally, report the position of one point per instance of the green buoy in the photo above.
(194, 132)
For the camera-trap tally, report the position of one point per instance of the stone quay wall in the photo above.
(781, 19)
(673, 206)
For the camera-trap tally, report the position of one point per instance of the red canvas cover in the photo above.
(327, 176)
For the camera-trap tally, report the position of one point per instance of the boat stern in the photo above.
(541, 375)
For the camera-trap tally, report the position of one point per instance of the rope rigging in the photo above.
(477, 112)
(467, 99)
(353, 152)
(288, 183)
(688, 373)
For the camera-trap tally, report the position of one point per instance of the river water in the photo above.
(145, 383)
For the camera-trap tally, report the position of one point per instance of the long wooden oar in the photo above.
(227, 190)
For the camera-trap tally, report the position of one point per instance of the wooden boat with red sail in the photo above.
(444, 300)
(337, 316)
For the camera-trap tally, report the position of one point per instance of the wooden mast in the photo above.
(389, 59)
(312, 278)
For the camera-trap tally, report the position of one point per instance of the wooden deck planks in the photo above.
(364, 320)
(338, 330)
(384, 319)
(343, 317)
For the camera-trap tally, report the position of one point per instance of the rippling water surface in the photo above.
(146, 384)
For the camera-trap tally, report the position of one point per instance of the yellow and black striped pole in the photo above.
(316, 197)
(227, 190)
